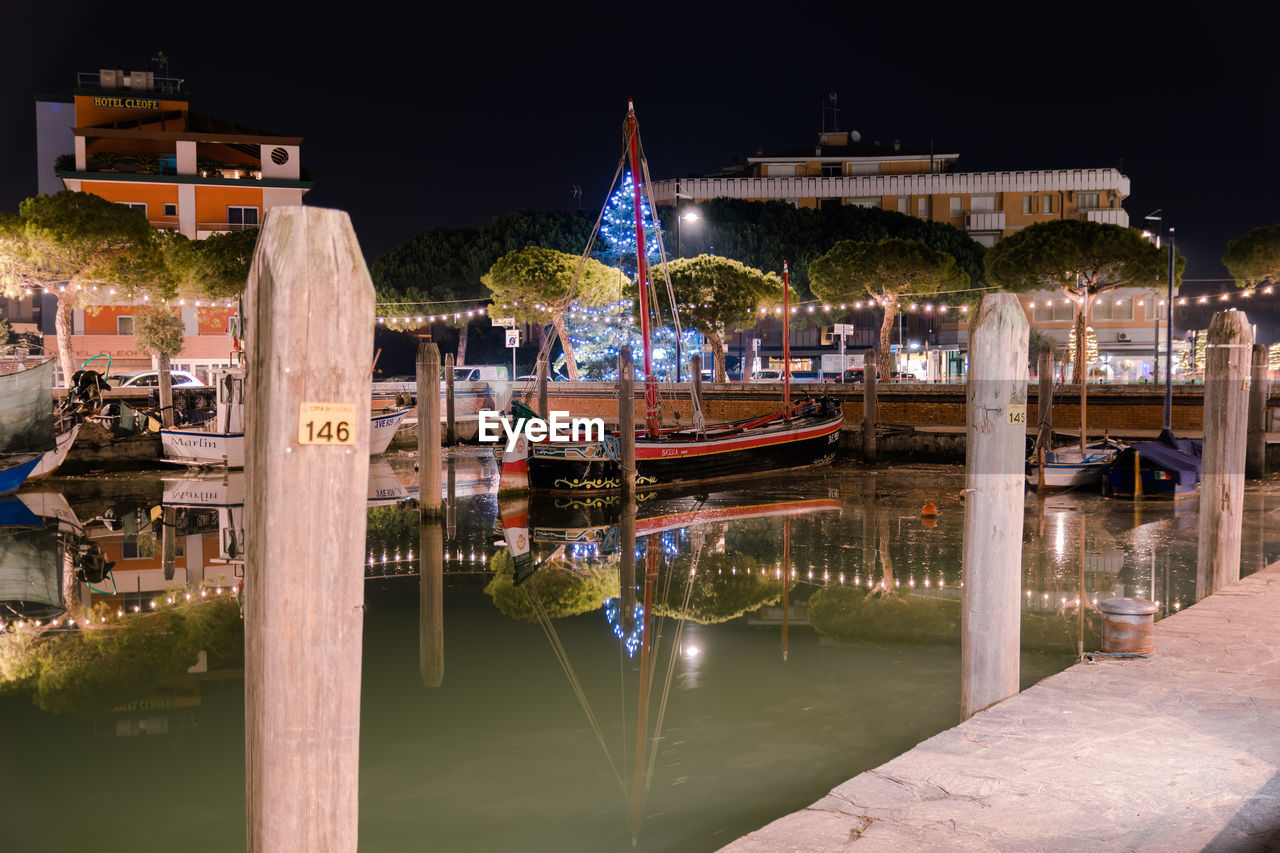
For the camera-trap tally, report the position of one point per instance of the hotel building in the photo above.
(133, 139)
(842, 170)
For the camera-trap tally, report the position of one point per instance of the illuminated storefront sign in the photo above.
(127, 103)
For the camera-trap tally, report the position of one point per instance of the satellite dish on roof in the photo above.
(855, 136)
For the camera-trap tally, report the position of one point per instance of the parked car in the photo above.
(151, 379)
(772, 375)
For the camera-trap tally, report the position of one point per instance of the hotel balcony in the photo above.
(984, 220)
(1107, 216)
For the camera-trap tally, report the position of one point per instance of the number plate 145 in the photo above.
(327, 423)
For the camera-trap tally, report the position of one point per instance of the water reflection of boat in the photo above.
(41, 549)
(26, 423)
(572, 521)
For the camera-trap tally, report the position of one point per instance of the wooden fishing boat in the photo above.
(795, 436)
(219, 441)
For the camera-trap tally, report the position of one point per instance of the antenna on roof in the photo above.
(576, 192)
(160, 63)
(832, 104)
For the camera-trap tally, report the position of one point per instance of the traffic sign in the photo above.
(505, 322)
(842, 329)
(513, 338)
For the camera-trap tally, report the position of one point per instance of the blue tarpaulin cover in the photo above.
(1179, 456)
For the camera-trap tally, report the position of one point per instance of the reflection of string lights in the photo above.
(613, 615)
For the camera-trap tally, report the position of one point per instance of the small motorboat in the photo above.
(1067, 467)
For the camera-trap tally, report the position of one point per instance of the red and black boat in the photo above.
(795, 436)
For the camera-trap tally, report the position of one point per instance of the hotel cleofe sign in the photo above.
(127, 103)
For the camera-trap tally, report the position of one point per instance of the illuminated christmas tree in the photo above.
(598, 334)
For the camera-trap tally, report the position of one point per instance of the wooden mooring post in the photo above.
(164, 380)
(431, 602)
(451, 426)
(1226, 416)
(428, 429)
(869, 367)
(991, 555)
(542, 370)
(310, 340)
(627, 422)
(1255, 459)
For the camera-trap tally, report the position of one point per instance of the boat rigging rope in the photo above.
(566, 664)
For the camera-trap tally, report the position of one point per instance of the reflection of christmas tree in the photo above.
(598, 334)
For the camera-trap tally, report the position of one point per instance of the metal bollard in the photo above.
(1128, 626)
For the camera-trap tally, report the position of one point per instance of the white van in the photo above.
(481, 373)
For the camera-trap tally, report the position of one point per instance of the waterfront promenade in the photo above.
(1177, 752)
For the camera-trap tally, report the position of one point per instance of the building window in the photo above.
(1028, 206)
(922, 208)
(1107, 308)
(904, 204)
(864, 201)
(864, 167)
(824, 203)
(136, 205)
(170, 208)
(982, 203)
(1088, 201)
(987, 240)
(832, 170)
(124, 325)
(239, 217)
(1054, 311)
(954, 205)
(1046, 204)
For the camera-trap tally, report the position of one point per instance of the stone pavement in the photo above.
(1177, 752)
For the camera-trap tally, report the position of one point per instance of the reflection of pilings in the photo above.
(627, 567)
(169, 539)
(869, 513)
(451, 502)
(431, 602)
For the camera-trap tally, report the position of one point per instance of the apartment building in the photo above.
(132, 138)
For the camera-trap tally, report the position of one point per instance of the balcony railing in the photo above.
(1107, 216)
(984, 220)
(226, 226)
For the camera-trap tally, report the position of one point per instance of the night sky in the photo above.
(450, 115)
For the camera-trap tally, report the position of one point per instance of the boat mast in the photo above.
(650, 384)
(786, 337)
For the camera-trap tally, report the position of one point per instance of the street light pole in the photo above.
(1168, 355)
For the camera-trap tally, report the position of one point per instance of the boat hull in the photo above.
(383, 426)
(15, 470)
(53, 459)
(1065, 469)
(588, 466)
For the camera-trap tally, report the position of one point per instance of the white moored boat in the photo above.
(220, 440)
(1067, 467)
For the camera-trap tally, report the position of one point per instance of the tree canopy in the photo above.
(1254, 259)
(887, 271)
(763, 234)
(537, 285)
(1081, 259)
(81, 241)
(159, 330)
(718, 296)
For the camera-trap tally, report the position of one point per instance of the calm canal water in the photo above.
(537, 713)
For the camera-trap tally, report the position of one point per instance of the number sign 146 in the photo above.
(327, 423)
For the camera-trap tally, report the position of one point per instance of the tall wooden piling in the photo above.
(165, 382)
(451, 427)
(991, 556)
(627, 421)
(869, 366)
(431, 602)
(310, 344)
(168, 540)
(451, 498)
(428, 429)
(542, 371)
(1226, 416)
(1255, 458)
(1044, 398)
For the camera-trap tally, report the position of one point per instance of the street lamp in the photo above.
(691, 216)
(1154, 236)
